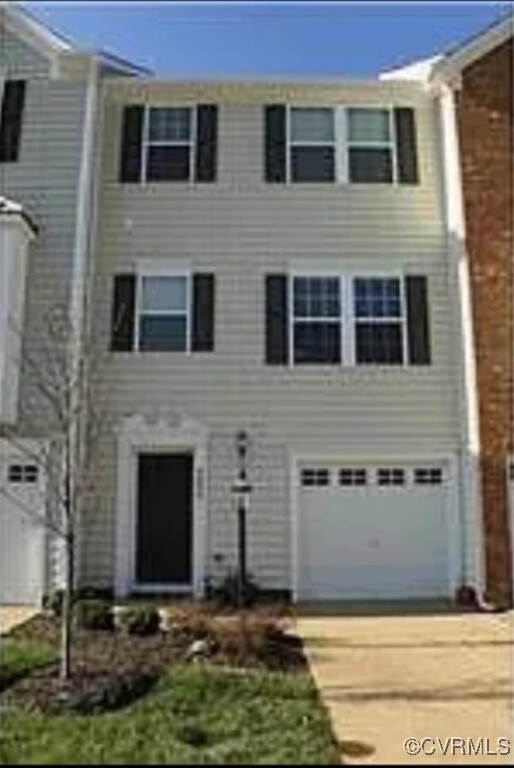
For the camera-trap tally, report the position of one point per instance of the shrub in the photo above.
(93, 614)
(139, 620)
(226, 591)
(53, 601)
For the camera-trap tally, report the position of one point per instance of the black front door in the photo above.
(164, 519)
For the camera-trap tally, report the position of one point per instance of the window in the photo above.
(370, 145)
(316, 320)
(315, 477)
(312, 144)
(169, 143)
(352, 476)
(394, 476)
(379, 320)
(428, 476)
(23, 473)
(163, 317)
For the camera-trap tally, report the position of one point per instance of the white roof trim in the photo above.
(32, 31)
(480, 45)
(51, 45)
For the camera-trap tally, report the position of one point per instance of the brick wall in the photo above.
(485, 116)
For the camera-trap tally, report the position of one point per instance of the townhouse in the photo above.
(275, 263)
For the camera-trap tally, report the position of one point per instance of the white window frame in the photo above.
(161, 273)
(332, 320)
(401, 320)
(146, 143)
(390, 144)
(342, 143)
(348, 319)
(335, 144)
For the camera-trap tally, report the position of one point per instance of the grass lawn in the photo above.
(18, 657)
(194, 715)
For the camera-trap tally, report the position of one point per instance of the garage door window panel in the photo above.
(315, 477)
(428, 476)
(391, 476)
(22, 473)
(379, 317)
(316, 320)
(352, 477)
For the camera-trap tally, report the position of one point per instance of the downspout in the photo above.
(471, 523)
(81, 253)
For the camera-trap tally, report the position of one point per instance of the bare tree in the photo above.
(64, 387)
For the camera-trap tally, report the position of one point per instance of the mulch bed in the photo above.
(111, 669)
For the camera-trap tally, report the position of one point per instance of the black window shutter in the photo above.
(275, 143)
(206, 142)
(11, 120)
(418, 322)
(203, 313)
(123, 313)
(406, 145)
(277, 320)
(131, 143)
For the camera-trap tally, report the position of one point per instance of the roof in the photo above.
(51, 43)
(12, 208)
(457, 58)
(475, 47)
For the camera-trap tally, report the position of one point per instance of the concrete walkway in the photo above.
(385, 678)
(12, 615)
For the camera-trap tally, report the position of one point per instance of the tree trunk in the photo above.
(67, 608)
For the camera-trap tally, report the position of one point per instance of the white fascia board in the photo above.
(453, 63)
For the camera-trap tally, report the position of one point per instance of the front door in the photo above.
(164, 519)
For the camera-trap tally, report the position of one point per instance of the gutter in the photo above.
(472, 573)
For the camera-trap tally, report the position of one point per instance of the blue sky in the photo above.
(263, 38)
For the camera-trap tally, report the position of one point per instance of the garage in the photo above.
(22, 537)
(374, 531)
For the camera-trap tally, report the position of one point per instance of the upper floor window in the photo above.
(312, 145)
(348, 319)
(379, 320)
(163, 311)
(360, 144)
(316, 320)
(169, 144)
(163, 322)
(370, 145)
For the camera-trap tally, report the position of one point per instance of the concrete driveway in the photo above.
(12, 615)
(385, 678)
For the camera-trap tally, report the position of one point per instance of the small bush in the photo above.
(53, 602)
(226, 592)
(93, 614)
(139, 620)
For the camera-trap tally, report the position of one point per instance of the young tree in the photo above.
(63, 388)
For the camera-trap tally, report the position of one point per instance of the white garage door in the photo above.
(21, 536)
(373, 532)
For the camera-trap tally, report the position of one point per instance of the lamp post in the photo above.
(241, 490)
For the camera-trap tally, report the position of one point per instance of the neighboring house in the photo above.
(485, 114)
(280, 258)
(478, 76)
(47, 100)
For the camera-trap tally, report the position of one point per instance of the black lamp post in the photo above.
(241, 490)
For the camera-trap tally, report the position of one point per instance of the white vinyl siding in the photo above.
(241, 229)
